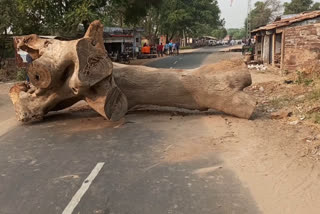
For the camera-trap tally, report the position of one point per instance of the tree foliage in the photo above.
(298, 6)
(219, 33)
(62, 17)
(263, 13)
(237, 33)
(193, 17)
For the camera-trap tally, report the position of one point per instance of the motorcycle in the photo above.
(123, 58)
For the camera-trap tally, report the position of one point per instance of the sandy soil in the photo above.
(269, 157)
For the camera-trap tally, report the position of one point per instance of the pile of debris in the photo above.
(257, 67)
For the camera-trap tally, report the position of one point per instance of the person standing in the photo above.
(158, 50)
(161, 49)
(166, 48)
(177, 47)
(29, 61)
(170, 47)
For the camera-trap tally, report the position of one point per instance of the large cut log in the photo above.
(203, 88)
(65, 72)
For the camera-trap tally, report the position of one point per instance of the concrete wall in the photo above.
(302, 48)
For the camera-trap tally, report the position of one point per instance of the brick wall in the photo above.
(302, 48)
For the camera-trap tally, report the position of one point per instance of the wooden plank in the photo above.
(282, 51)
(273, 48)
(279, 30)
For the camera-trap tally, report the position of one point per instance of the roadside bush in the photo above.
(6, 74)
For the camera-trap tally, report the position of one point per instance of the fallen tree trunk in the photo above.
(64, 72)
(203, 88)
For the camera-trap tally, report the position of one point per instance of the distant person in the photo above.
(173, 48)
(170, 47)
(145, 44)
(166, 48)
(29, 61)
(160, 50)
(178, 47)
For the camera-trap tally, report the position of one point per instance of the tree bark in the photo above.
(203, 88)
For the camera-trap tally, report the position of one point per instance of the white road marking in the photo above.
(206, 170)
(175, 62)
(84, 187)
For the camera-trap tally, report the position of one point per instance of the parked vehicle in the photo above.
(212, 43)
(120, 57)
(123, 58)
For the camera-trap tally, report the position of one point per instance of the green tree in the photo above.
(263, 13)
(62, 17)
(7, 8)
(193, 17)
(237, 33)
(298, 6)
(315, 6)
(129, 13)
(219, 33)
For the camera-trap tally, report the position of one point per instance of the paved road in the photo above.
(43, 165)
(194, 59)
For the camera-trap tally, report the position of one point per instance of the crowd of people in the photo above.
(170, 48)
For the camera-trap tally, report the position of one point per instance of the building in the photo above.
(119, 40)
(291, 43)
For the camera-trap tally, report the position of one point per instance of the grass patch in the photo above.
(280, 102)
(314, 117)
(314, 95)
(303, 79)
(21, 74)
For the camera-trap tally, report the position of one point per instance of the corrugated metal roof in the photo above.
(288, 21)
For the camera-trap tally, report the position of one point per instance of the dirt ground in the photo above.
(277, 160)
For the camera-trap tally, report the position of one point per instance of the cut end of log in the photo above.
(112, 106)
(25, 111)
(39, 75)
(95, 33)
(117, 105)
(93, 65)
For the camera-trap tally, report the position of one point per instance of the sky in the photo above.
(235, 15)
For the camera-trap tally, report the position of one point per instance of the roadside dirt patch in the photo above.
(272, 158)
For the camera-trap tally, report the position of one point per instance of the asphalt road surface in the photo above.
(50, 167)
(187, 60)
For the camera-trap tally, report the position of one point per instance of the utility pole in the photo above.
(249, 21)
